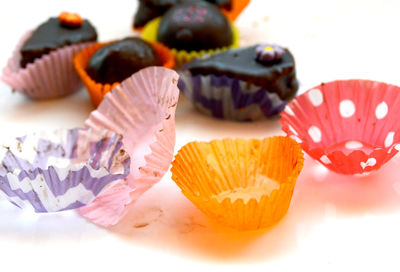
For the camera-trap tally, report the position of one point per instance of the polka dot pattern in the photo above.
(315, 134)
(370, 162)
(316, 97)
(353, 145)
(324, 159)
(389, 139)
(381, 110)
(347, 108)
(289, 111)
(344, 124)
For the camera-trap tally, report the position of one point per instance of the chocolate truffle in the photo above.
(118, 60)
(151, 9)
(277, 75)
(52, 35)
(198, 26)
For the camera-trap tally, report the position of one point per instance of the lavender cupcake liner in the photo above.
(62, 170)
(50, 76)
(229, 98)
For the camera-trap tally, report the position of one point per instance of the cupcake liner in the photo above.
(237, 8)
(98, 90)
(229, 98)
(244, 184)
(50, 76)
(349, 126)
(142, 109)
(150, 30)
(63, 170)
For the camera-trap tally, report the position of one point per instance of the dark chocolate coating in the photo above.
(119, 60)
(199, 26)
(51, 35)
(151, 9)
(278, 77)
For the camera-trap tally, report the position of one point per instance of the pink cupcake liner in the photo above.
(50, 76)
(142, 109)
(349, 126)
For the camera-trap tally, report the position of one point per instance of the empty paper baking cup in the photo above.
(229, 98)
(150, 31)
(50, 76)
(142, 109)
(244, 184)
(349, 126)
(62, 170)
(98, 90)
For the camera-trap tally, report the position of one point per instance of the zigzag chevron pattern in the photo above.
(63, 170)
(229, 98)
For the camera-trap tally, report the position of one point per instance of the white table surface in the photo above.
(334, 222)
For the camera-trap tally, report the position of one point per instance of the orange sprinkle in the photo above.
(70, 19)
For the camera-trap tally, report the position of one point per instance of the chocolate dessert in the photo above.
(118, 60)
(54, 34)
(267, 66)
(198, 26)
(151, 9)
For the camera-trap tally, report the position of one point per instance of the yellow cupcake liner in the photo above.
(150, 30)
(243, 184)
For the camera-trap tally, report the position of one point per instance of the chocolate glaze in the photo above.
(278, 76)
(150, 9)
(195, 27)
(51, 35)
(119, 60)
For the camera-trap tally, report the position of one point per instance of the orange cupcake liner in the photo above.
(243, 184)
(97, 90)
(237, 8)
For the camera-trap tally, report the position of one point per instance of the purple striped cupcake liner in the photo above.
(229, 98)
(61, 170)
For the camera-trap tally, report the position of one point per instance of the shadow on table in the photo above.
(179, 227)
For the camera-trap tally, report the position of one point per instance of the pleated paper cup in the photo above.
(237, 8)
(150, 31)
(98, 90)
(350, 126)
(50, 76)
(243, 184)
(229, 98)
(62, 170)
(142, 109)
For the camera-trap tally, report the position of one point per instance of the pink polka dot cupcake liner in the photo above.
(141, 109)
(50, 76)
(349, 126)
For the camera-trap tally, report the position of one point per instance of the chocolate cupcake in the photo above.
(41, 66)
(242, 84)
(151, 9)
(192, 30)
(103, 66)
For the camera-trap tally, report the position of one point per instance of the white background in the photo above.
(334, 222)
